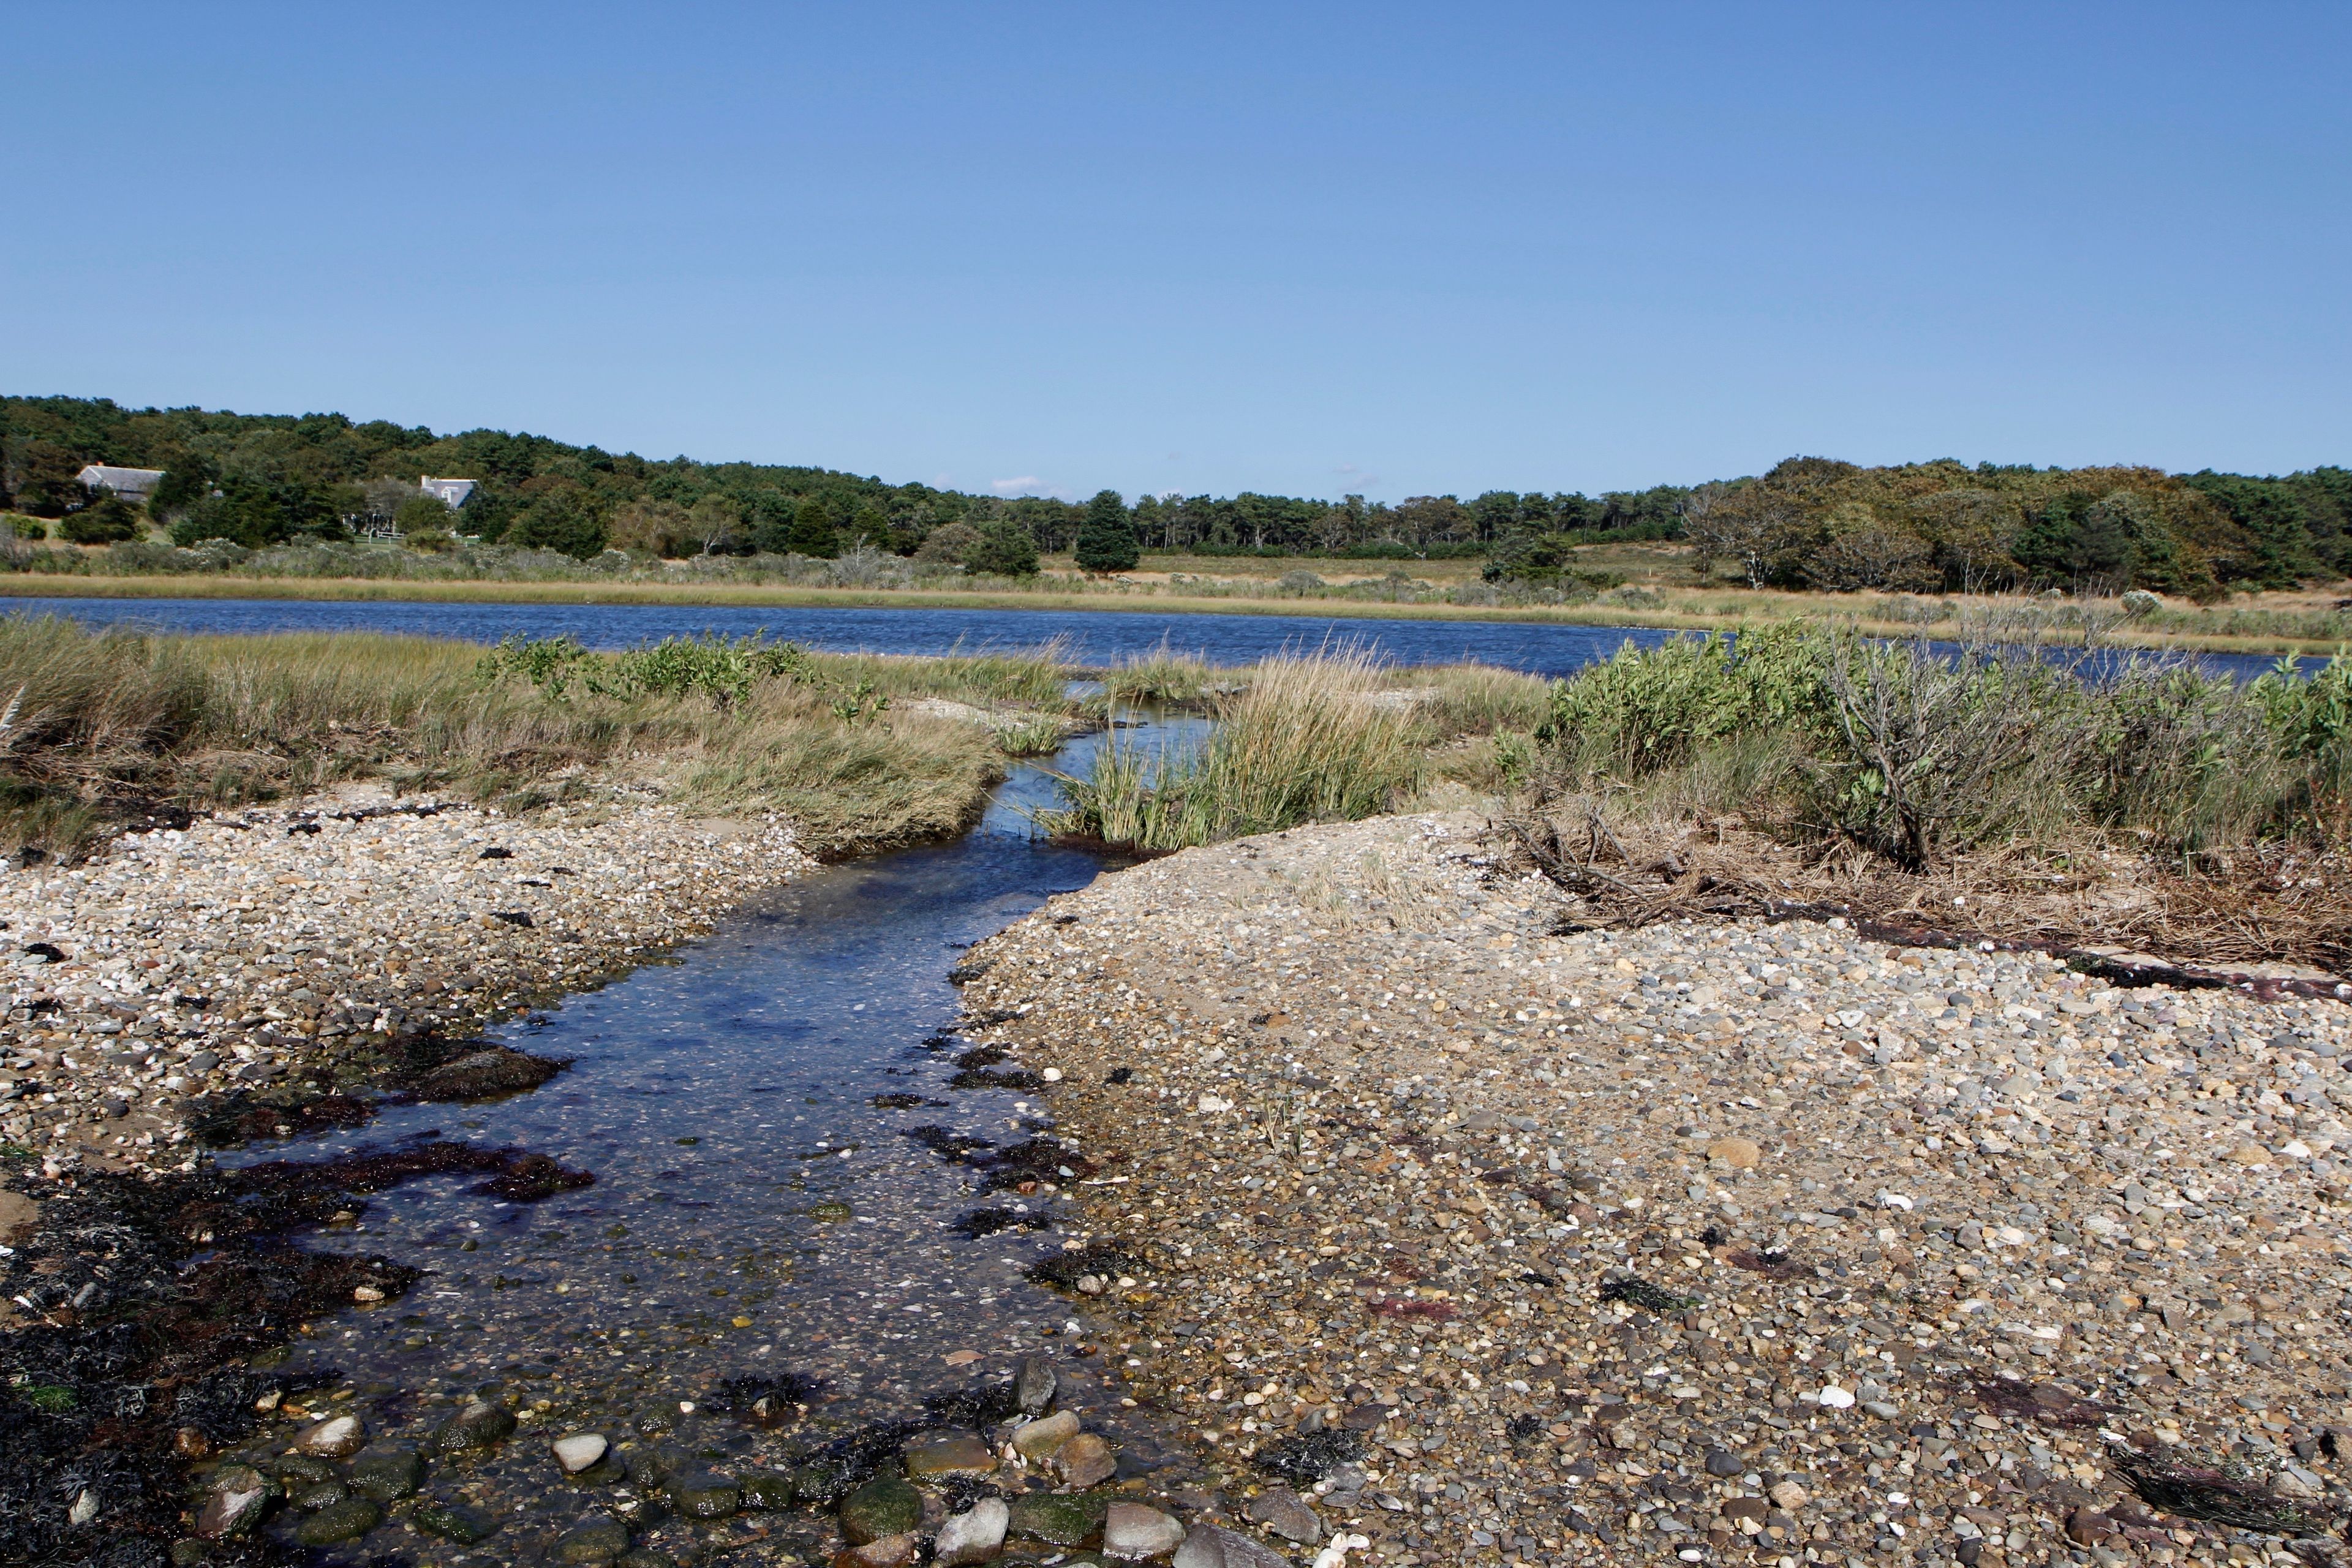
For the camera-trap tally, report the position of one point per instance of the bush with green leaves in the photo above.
(1915, 751)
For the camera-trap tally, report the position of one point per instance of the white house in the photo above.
(452, 493)
(133, 485)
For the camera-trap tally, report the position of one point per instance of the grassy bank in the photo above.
(1993, 791)
(105, 728)
(1330, 738)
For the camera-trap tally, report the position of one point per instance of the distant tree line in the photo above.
(262, 480)
(1814, 522)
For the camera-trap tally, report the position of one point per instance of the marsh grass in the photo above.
(1163, 677)
(1915, 754)
(1309, 739)
(108, 727)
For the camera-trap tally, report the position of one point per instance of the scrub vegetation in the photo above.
(104, 728)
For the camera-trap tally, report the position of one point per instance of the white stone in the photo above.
(973, 1535)
(578, 1451)
(1134, 1531)
(1837, 1398)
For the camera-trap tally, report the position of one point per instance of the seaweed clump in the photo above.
(1036, 1159)
(955, 1148)
(768, 1401)
(1306, 1457)
(484, 1073)
(2226, 1494)
(978, 1407)
(242, 1116)
(1063, 1270)
(2044, 1402)
(994, 1221)
(1636, 1291)
(825, 1476)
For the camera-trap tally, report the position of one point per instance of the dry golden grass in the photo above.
(114, 726)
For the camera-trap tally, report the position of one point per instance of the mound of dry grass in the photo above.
(106, 728)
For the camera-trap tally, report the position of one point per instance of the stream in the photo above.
(768, 1200)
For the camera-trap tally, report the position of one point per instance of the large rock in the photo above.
(482, 1073)
(1133, 1531)
(973, 1535)
(336, 1437)
(704, 1494)
(1037, 1441)
(479, 1424)
(1207, 1546)
(884, 1505)
(765, 1489)
(1060, 1518)
(936, 1454)
(1033, 1389)
(902, 1550)
(460, 1522)
(596, 1539)
(1286, 1513)
(236, 1495)
(339, 1522)
(388, 1471)
(1086, 1460)
(578, 1451)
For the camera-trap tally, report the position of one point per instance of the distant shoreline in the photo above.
(1140, 602)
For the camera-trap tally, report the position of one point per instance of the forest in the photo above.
(1808, 522)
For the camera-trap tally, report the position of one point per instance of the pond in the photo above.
(1089, 636)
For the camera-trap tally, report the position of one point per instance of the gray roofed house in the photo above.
(452, 493)
(130, 484)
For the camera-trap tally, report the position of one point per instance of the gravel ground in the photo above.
(280, 949)
(1729, 1241)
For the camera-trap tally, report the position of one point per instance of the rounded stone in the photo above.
(884, 1505)
(704, 1495)
(336, 1437)
(385, 1471)
(345, 1520)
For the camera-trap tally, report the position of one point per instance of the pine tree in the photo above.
(813, 532)
(1005, 549)
(1106, 537)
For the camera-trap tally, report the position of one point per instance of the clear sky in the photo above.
(1296, 249)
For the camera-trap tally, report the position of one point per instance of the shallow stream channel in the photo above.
(778, 1251)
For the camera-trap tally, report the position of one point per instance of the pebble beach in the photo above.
(1727, 1242)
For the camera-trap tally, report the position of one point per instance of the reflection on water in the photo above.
(754, 1212)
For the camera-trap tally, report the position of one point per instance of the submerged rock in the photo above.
(1207, 1546)
(345, 1520)
(704, 1494)
(599, 1538)
(480, 1424)
(884, 1505)
(455, 1522)
(237, 1497)
(336, 1437)
(1063, 1519)
(387, 1471)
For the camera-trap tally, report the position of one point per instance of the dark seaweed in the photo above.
(768, 1401)
(895, 1101)
(1308, 1456)
(1037, 1159)
(978, 1407)
(825, 1476)
(2220, 1496)
(1064, 1269)
(994, 1221)
(2044, 1402)
(952, 1147)
(1018, 1080)
(242, 1116)
(1636, 1291)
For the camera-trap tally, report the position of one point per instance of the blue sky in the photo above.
(1304, 250)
